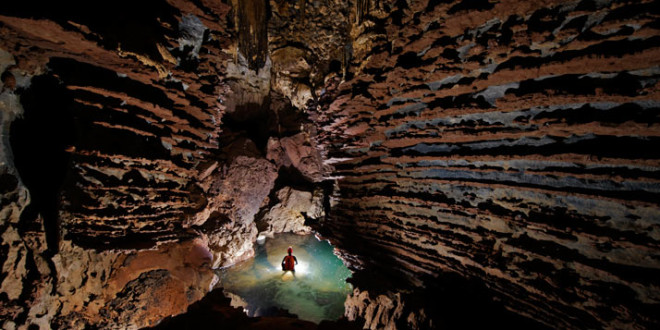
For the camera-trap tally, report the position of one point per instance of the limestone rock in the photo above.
(130, 289)
(290, 61)
(231, 243)
(499, 141)
(289, 214)
(242, 187)
(510, 143)
(298, 151)
(381, 312)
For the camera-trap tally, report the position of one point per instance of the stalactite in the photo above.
(252, 18)
(301, 7)
(362, 10)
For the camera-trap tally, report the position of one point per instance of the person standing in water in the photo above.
(289, 261)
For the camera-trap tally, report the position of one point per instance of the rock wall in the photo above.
(138, 117)
(514, 142)
(134, 156)
(108, 117)
(468, 155)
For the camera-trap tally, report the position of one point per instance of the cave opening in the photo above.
(315, 292)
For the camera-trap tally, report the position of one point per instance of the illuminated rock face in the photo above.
(102, 162)
(123, 179)
(511, 144)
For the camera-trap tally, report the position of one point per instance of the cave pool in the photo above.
(316, 292)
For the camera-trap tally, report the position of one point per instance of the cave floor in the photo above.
(317, 291)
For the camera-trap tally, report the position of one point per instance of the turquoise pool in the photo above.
(316, 292)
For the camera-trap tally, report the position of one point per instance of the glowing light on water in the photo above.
(315, 292)
(301, 268)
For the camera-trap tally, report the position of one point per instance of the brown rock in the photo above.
(243, 186)
(290, 61)
(509, 142)
(381, 312)
(8, 81)
(289, 214)
(298, 151)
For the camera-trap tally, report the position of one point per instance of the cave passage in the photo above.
(316, 293)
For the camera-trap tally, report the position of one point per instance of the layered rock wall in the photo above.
(108, 118)
(511, 144)
(510, 141)
(138, 117)
(136, 156)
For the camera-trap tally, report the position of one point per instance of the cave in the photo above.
(434, 164)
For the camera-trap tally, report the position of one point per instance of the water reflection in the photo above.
(315, 292)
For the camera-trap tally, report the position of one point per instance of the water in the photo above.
(316, 292)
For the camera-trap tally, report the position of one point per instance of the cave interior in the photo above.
(473, 163)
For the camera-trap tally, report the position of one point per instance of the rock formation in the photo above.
(508, 141)
(467, 157)
(130, 161)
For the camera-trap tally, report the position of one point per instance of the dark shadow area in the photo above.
(276, 117)
(455, 302)
(39, 141)
(130, 240)
(449, 300)
(291, 177)
(285, 119)
(214, 312)
(84, 74)
(251, 120)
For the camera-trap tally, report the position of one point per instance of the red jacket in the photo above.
(288, 262)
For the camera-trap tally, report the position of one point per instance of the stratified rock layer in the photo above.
(110, 116)
(511, 141)
(142, 115)
(511, 144)
(134, 142)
